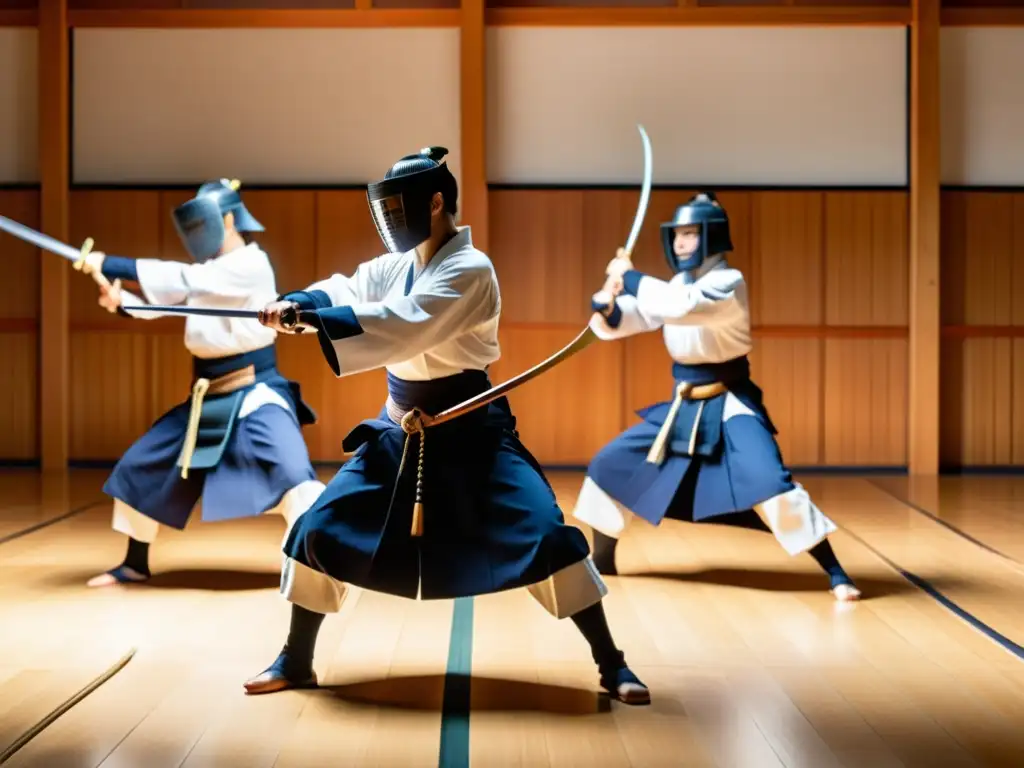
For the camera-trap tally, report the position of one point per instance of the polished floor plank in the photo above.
(986, 507)
(750, 661)
(978, 581)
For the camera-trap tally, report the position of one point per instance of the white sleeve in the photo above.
(129, 298)
(676, 303)
(364, 336)
(631, 321)
(363, 286)
(226, 281)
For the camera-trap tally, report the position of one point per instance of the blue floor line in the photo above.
(454, 752)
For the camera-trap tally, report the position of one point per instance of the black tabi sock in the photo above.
(604, 553)
(137, 556)
(302, 636)
(826, 558)
(592, 623)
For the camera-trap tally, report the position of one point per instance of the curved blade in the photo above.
(645, 193)
(585, 338)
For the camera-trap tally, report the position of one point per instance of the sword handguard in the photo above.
(290, 320)
(96, 274)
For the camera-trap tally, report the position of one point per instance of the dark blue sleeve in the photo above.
(308, 300)
(614, 317)
(333, 324)
(337, 323)
(631, 282)
(120, 268)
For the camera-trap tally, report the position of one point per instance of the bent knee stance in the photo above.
(133, 523)
(795, 520)
(296, 501)
(570, 590)
(311, 589)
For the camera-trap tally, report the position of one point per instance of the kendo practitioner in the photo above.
(237, 442)
(709, 454)
(457, 509)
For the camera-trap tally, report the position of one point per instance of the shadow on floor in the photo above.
(770, 580)
(210, 579)
(486, 694)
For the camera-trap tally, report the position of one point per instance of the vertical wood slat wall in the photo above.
(827, 274)
(829, 287)
(815, 260)
(828, 278)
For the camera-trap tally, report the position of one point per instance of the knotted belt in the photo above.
(684, 391)
(222, 385)
(415, 421)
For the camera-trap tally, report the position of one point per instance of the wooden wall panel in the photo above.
(19, 405)
(21, 261)
(982, 299)
(1017, 403)
(124, 372)
(537, 249)
(978, 260)
(290, 237)
(171, 247)
(170, 373)
(565, 416)
(740, 207)
(865, 380)
(987, 383)
(866, 258)
(951, 397)
(812, 259)
(111, 392)
(790, 373)
(18, 331)
(865, 402)
(788, 257)
(345, 237)
(122, 223)
(647, 374)
(19, 339)
(1017, 261)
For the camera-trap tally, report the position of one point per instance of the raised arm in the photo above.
(679, 303)
(367, 335)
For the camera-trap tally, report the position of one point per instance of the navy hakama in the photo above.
(241, 467)
(717, 466)
(734, 465)
(490, 523)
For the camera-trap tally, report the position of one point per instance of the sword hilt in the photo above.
(96, 274)
(608, 293)
(290, 320)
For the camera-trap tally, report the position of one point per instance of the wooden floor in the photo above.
(749, 661)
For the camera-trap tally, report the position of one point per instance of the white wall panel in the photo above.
(732, 105)
(983, 106)
(268, 106)
(19, 106)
